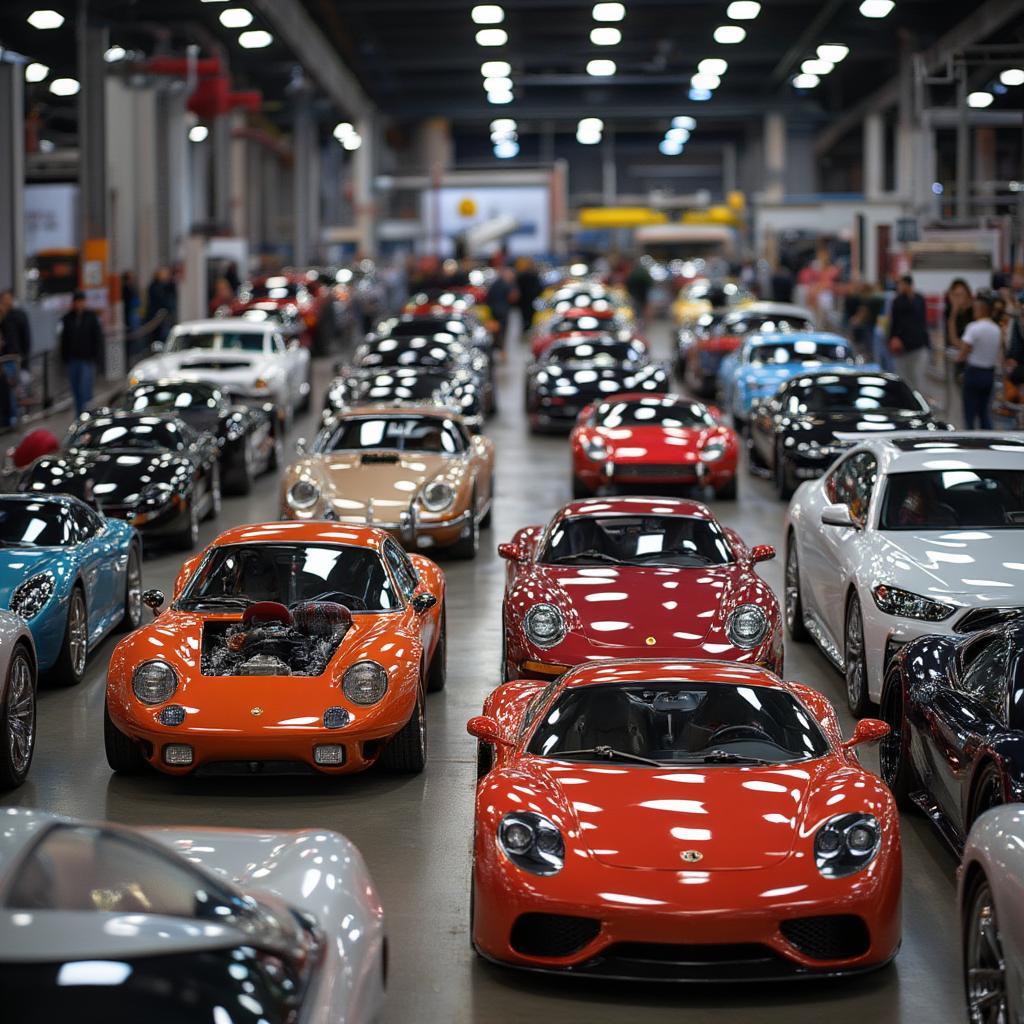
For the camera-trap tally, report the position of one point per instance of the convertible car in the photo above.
(416, 472)
(287, 647)
(652, 440)
(249, 436)
(153, 470)
(955, 708)
(71, 575)
(680, 821)
(634, 577)
(103, 922)
(18, 676)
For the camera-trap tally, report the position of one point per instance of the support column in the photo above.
(729, 165)
(609, 176)
(254, 217)
(199, 162)
(774, 157)
(92, 127)
(905, 126)
(220, 144)
(172, 173)
(12, 176)
(238, 174)
(874, 156)
(985, 159)
(304, 150)
(963, 148)
(362, 187)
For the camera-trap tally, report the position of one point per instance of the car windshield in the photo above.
(143, 432)
(586, 322)
(43, 524)
(424, 328)
(398, 386)
(752, 323)
(800, 351)
(598, 352)
(240, 574)
(436, 351)
(652, 412)
(865, 393)
(165, 397)
(396, 433)
(960, 497)
(670, 723)
(654, 540)
(238, 341)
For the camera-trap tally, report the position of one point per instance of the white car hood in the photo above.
(962, 567)
(223, 367)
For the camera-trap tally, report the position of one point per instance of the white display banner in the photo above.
(528, 206)
(50, 217)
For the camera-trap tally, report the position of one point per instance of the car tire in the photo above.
(216, 494)
(124, 755)
(783, 482)
(727, 491)
(984, 959)
(406, 751)
(132, 617)
(18, 719)
(894, 764)
(580, 489)
(855, 666)
(245, 475)
(276, 459)
(793, 600)
(467, 547)
(438, 671)
(987, 792)
(188, 538)
(69, 669)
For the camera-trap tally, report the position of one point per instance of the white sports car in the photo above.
(101, 922)
(906, 534)
(246, 358)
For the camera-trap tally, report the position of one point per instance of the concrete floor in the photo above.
(415, 833)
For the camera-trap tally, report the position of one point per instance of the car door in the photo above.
(407, 579)
(97, 557)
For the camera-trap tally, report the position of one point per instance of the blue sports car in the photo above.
(70, 574)
(764, 362)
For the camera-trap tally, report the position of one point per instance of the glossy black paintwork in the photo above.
(456, 390)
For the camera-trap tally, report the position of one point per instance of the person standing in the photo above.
(500, 296)
(529, 288)
(638, 284)
(81, 348)
(162, 297)
(980, 349)
(15, 348)
(908, 334)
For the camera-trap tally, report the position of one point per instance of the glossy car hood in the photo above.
(201, 364)
(652, 444)
(820, 428)
(768, 378)
(350, 479)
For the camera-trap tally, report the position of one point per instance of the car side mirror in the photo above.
(838, 515)
(153, 599)
(300, 446)
(511, 552)
(423, 602)
(762, 553)
(868, 731)
(487, 730)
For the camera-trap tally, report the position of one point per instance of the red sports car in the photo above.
(649, 439)
(585, 321)
(680, 820)
(634, 577)
(291, 291)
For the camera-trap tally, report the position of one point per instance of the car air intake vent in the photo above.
(552, 934)
(834, 937)
(368, 458)
(687, 953)
(983, 618)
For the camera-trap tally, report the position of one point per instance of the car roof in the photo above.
(791, 337)
(224, 323)
(307, 532)
(911, 451)
(634, 506)
(681, 670)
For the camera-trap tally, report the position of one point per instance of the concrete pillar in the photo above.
(363, 165)
(906, 126)
(12, 175)
(729, 165)
(774, 190)
(171, 172)
(985, 159)
(199, 178)
(434, 144)
(963, 148)
(609, 177)
(220, 145)
(239, 183)
(874, 156)
(304, 151)
(254, 201)
(92, 127)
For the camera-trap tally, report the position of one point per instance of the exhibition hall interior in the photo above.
(511, 511)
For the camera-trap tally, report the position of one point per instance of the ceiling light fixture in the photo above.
(36, 72)
(491, 37)
(605, 35)
(684, 121)
(834, 52)
(352, 142)
(670, 147)
(498, 84)
(702, 81)
(500, 97)
(806, 81)
(590, 124)
(487, 14)
(713, 66)
(343, 129)
(114, 54)
(198, 133)
(980, 99)
(588, 138)
(255, 39)
(64, 86)
(876, 8)
(495, 69)
(1012, 76)
(743, 10)
(815, 66)
(46, 19)
(601, 68)
(609, 12)
(235, 17)
(700, 95)
(506, 150)
(727, 35)
(678, 134)
(503, 124)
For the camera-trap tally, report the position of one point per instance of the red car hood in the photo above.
(657, 445)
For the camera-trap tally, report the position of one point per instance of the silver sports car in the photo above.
(102, 923)
(992, 916)
(18, 679)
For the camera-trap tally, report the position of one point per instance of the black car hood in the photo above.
(821, 428)
(588, 382)
(112, 477)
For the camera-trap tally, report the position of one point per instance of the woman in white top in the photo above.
(980, 349)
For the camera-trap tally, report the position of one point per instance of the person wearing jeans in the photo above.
(980, 348)
(81, 348)
(909, 342)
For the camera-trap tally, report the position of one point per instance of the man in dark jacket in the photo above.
(15, 347)
(909, 342)
(81, 348)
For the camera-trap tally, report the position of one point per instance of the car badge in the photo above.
(692, 856)
(256, 712)
(651, 641)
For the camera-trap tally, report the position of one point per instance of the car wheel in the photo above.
(406, 752)
(216, 499)
(18, 720)
(984, 960)
(754, 460)
(188, 539)
(246, 472)
(894, 763)
(580, 489)
(70, 666)
(783, 483)
(438, 671)
(276, 459)
(124, 755)
(727, 491)
(132, 591)
(468, 546)
(855, 661)
(793, 600)
(988, 793)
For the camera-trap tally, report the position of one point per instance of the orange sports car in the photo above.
(287, 647)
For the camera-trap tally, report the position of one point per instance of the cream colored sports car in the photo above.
(416, 472)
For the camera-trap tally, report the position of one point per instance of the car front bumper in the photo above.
(410, 530)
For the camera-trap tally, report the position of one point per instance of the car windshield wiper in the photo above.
(650, 556)
(219, 601)
(729, 757)
(592, 554)
(608, 754)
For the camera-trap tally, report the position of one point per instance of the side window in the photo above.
(537, 704)
(852, 483)
(277, 344)
(401, 568)
(985, 677)
(86, 523)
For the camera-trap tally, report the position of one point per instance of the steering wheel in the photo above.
(339, 596)
(726, 733)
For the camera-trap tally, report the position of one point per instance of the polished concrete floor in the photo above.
(415, 832)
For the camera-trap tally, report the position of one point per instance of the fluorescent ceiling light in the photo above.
(506, 150)
(1011, 76)
(876, 8)
(590, 124)
(353, 141)
(670, 147)
(678, 134)
(684, 121)
(816, 67)
(114, 54)
(609, 12)
(343, 129)
(713, 66)
(36, 72)
(700, 95)
(743, 10)
(702, 81)
(605, 35)
(503, 124)
(501, 136)
(728, 34)
(46, 19)
(601, 68)
(499, 97)
(835, 52)
(64, 86)
(491, 37)
(806, 81)
(495, 69)
(198, 133)
(235, 17)
(487, 14)
(587, 138)
(980, 99)
(498, 84)
(255, 39)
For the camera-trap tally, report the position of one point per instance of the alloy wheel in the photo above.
(856, 671)
(890, 748)
(21, 714)
(78, 630)
(984, 963)
(792, 592)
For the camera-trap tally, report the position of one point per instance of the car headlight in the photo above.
(894, 601)
(712, 452)
(437, 496)
(544, 625)
(303, 494)
(747, 626)
(847, 843)
(595, 448)
(30, 596)
(532, 842)
(365, 683)
(156, 495)
(154, 682)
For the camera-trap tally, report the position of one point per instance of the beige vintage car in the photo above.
(415, 471)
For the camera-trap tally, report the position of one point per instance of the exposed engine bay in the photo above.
(270, 640)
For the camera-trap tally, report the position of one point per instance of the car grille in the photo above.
(644, 470)
(833, 937)
(552, 934)
(983, 618)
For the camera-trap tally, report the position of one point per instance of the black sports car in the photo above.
(955, 707)
(428, 325)
(574, 372)
(792, 435)
(153, 470)
(249, 436)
